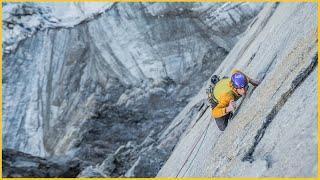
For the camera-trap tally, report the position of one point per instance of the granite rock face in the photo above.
(104, 87)
(274, 131)
(18, 164)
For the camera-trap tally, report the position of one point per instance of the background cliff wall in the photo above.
(102, 86)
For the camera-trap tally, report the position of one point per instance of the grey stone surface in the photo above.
(274, 133)
(105, 90)
(113, 95)
(18, 164)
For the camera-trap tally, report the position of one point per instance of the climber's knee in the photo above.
(222, 122)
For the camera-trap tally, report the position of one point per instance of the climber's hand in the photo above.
(254, 82)
(232, 106)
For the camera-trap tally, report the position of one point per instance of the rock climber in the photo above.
(223, 93)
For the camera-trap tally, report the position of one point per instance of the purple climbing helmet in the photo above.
(239, 81)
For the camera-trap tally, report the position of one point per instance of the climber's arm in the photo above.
(254, 82)
(221, 109)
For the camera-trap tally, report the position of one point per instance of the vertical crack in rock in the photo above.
(268, 160)
(48, 90)
(294, 85)
(268, 68)
(201, 113)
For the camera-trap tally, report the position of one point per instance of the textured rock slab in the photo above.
(18, 164)
(268, 136)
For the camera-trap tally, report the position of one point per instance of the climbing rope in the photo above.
(205, 134)
(194, 146)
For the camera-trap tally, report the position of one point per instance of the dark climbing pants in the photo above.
(222, 122)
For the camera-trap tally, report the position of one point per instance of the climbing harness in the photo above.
(209, 91)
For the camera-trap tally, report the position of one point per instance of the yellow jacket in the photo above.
(224, 93)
